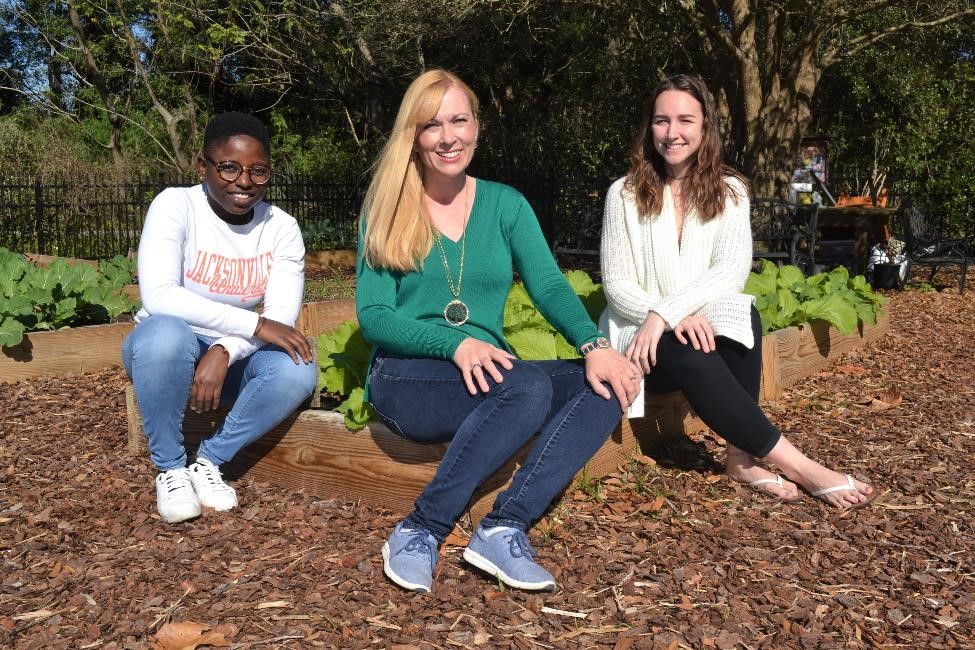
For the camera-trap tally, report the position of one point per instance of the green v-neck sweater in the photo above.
(403, 313)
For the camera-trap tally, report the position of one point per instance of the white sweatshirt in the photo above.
(646, 268)
(196, 266)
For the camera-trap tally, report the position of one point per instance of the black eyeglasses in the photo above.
(230, 171)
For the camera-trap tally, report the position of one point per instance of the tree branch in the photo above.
(862, 42)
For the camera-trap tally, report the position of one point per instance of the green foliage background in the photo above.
(562, 84)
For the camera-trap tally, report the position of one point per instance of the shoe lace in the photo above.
(519, 546)
(419, 544)
(174, 481)
(211, 474)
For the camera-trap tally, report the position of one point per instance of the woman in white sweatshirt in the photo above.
(209, 256)
(676, 251)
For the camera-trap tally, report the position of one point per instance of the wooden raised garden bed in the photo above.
(83, 349)
(314, 451)
(64, 352)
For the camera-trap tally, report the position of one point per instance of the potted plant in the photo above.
(887, 262)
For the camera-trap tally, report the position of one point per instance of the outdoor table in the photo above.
(864, 226)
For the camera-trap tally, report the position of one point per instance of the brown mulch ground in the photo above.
(665, 554)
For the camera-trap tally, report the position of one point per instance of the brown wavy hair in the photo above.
(707, 184)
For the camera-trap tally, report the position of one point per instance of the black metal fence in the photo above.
(99, 220)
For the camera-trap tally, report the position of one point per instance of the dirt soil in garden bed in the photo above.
(667, 553)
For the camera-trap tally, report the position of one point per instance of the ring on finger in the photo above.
(475, 365)
(634, 377)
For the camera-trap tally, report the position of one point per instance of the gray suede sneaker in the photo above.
(409, 557)
(505, 553)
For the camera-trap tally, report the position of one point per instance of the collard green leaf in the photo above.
(867, 312)
(533, 344)
(39, 295)
(12, 268)
(581, 283)
(787, 308)
(595, 303)
(77, 278)
(564, 349)
(11, 332)
(790, 276)
(117, 271)
(63, 312)
(115, 304)
(764, 282)
(344, 358)
(357, 412)
(16, 306)
(519, 310)
(834, 309)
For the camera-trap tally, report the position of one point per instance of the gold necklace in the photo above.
(456, 312)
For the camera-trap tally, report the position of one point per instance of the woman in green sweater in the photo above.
(434, 269)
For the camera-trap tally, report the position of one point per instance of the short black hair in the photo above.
(224, 126)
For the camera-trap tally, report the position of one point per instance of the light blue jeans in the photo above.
(160, 358)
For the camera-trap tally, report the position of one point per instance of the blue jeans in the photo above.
(427, 401)
(160, 358)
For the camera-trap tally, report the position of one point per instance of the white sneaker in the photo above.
(209, 486)
(175, 498)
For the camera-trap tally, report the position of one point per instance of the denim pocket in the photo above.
(390, 423)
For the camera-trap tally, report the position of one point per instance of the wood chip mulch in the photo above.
(666, 553)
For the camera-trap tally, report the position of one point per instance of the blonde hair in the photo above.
(399, 233)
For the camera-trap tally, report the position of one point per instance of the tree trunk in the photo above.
(115, 118)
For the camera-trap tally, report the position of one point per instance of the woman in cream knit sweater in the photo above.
(676, 251)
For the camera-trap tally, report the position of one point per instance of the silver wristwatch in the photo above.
(597, 344)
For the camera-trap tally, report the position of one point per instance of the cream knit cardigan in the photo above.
(645, 269)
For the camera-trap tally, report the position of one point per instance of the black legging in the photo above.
(721, 387)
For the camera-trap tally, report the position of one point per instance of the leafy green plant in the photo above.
(329, 235)
(785, 297)
(344, 357)
(35, 298)
(531, 336)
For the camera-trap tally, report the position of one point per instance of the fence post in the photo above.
(39, 216)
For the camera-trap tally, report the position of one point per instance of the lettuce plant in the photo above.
(785, 297)
(344, 358)
(35, 298)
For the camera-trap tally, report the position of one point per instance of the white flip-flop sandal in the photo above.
(768, 481)
(849, 485)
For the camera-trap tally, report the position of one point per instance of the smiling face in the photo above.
(232, 200)
(678, 130)
(445, 143)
